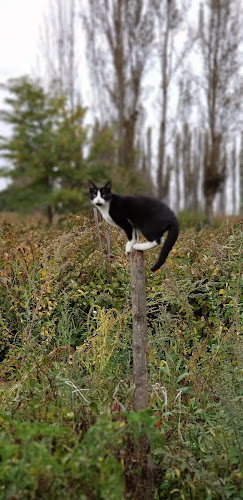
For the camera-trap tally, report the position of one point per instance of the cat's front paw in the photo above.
(129, 246)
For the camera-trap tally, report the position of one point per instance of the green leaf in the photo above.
(182, 376)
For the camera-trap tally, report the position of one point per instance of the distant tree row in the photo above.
(141, 58)
(186, 164)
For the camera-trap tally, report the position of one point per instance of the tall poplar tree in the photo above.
(219, 42)
(119, 34)
(60, 55)
(170, 16)
(241, 174)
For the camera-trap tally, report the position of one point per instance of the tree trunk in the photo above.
(209, 199)
(143, 488)
(49, 212)
(241, 175)
(98, 228)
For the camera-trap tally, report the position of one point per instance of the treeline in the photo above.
(186, 165)
(164, 102)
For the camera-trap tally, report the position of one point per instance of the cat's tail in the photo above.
(168, 244)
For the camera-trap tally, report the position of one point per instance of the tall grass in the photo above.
(68, 428)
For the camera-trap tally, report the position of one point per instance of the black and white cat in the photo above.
(137, 213)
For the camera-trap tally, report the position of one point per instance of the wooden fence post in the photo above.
(144, 489)
(139, 327)
(107, 235)
(98, 228)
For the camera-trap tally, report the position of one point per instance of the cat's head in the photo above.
(99, 195)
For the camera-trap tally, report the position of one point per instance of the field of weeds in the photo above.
(67, 424)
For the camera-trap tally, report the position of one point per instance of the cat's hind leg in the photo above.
(147, 245)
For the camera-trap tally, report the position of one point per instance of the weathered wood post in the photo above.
(139, 327)
(98, 228)
(144, 489)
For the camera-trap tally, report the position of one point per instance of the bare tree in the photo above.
(119, 33)
(219, 42)
(222, 195)
(197, 168)
(241, 175)
(170, 15)
(187, 162)
(59, 48)
(177, 164)
(162, 186)
(233, 177)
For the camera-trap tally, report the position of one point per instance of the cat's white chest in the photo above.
(104, 210)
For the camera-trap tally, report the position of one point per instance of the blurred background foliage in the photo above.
(162, 110)
(51, 154)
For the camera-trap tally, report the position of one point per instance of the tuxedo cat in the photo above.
(137, 213)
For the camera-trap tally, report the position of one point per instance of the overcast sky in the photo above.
(20, 22)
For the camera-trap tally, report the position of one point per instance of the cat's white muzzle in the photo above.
(98, 200)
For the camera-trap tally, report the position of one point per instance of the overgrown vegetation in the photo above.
(68, 429)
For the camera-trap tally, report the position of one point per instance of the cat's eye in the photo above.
(105, 194)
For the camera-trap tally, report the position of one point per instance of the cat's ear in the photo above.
(92, 186)
(108, 185)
